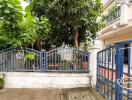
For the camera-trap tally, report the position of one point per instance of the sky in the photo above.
(24, 3)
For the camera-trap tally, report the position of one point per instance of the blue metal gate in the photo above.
(57, 60)
(114, 71)
(68, 60)
(26, 59)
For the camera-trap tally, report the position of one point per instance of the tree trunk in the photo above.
(75, 39)
(39, 44)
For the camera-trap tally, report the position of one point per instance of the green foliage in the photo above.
(101, 24)
(43, 27)
(17, 24)
(2, 83)
(85, 45)
(30, 56)
(55, 22)
(28, 28)
(67, 16)
(113, 10)
(3, 42)
(10, 18)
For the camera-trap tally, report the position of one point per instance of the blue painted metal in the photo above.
(102, 81)
(108, 72)
(97, 74)
(116, 66)
(113, 56)
(117, 70)
(43, 61)
(68, 60)
(57, 60)
(129, 67)
(105, 73)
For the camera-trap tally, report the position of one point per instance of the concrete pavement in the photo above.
(49, 94)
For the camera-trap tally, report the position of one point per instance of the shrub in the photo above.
(30, 55)
(2, 83)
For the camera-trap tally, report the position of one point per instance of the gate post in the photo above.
(44, 60)
(93, 60)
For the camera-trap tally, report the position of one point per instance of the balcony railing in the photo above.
(108, 19)
(112, 16)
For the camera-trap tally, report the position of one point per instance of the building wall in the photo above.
(117, 39)
(121, 28)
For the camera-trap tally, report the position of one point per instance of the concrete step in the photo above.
(50, 94)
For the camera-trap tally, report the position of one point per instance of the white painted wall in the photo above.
(124, 13)
(45, 80)
(93, 59)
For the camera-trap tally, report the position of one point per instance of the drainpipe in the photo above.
(124, 13)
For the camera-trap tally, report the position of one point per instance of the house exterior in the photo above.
(114, 50)
(116, 28)
(117, 22)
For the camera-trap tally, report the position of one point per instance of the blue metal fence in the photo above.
(114, 71)
(21, 60)
(68, 60)
(57, 60)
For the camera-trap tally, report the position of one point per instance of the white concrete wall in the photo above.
(124, 13)
(45, 80)
(93, 59)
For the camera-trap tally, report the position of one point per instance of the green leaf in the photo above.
(30, 56)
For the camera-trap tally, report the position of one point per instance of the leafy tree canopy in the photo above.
(69, 18)
(18, 25)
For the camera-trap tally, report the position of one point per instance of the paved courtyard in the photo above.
(51, 94)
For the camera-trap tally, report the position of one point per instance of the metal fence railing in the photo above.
(68, 60)
(114, 68)
(58, 60)
(112, 16)
(20, 60)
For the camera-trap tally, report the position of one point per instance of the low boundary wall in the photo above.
(45, 80)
